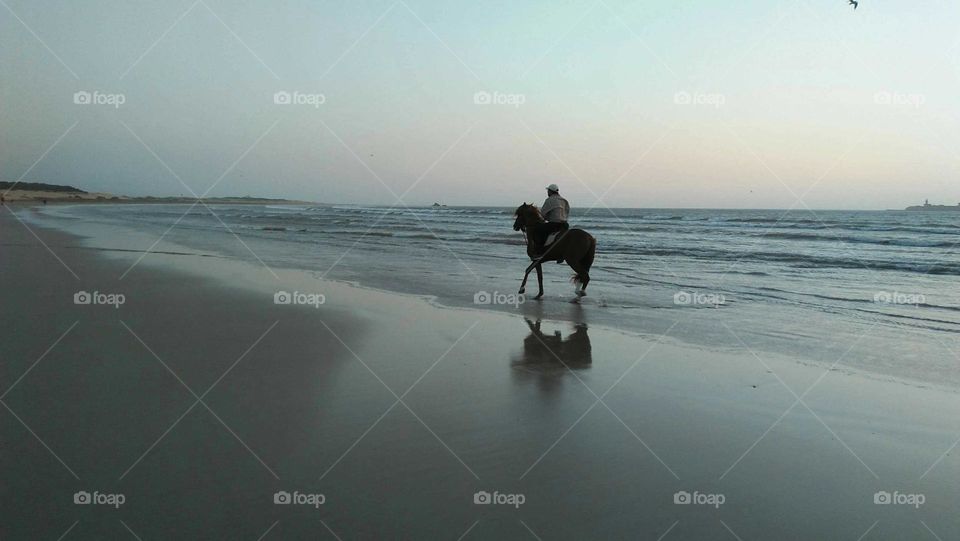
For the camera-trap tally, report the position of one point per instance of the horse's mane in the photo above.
(535, 209)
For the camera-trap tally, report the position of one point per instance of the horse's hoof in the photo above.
(522, 290)
(581, 293)
(575, 300)
(538, 297)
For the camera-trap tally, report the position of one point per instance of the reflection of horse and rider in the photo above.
(574, 246)
(546, 353)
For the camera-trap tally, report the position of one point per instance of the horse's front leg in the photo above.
(526, 274)
(539, 281)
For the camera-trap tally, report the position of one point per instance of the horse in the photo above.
(575, 246)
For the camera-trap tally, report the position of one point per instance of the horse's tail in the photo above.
(588, 259)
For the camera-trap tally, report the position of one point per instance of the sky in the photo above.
(706, 104)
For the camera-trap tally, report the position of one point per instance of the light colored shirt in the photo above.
(555, 209)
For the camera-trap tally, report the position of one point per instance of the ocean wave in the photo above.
(799, 260)
(887, 241)
(908, 242)
(769, 220)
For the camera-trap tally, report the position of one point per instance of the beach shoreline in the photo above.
(700, 327)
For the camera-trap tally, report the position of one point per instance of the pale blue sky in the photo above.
(790, 99)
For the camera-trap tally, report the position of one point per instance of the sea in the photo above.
(872, 292)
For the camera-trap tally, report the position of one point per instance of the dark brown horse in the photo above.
(575, 246)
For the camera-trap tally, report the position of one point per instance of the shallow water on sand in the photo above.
(875, 288)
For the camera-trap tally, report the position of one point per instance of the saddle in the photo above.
(551, 238)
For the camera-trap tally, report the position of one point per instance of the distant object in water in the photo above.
(854, 3)
(927, 206)
(438, 205)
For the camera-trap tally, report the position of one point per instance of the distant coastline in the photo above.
(926, 206)
(37, 192)
(17, 192)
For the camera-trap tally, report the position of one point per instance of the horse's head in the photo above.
(526, 213)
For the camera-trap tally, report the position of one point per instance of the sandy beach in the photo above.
(198, 401)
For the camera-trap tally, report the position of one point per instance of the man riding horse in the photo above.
(555, 210)
(574, 246)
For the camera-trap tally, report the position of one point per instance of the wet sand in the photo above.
(199, 399)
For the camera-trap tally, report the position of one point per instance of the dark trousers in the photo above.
(540, 232)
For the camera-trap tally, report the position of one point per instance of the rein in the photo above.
(523, 229)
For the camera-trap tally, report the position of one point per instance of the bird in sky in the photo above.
(854, 3)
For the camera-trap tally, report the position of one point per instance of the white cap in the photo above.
(553, 188)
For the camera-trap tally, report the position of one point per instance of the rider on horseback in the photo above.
(554, 210)
(574, 246)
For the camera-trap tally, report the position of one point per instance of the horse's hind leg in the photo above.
(582, 278)
(586, 263)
